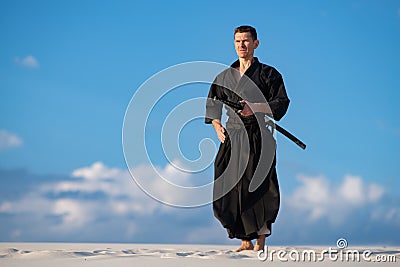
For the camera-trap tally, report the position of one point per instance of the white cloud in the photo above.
(28, 62)
(117, 183)
(375, 192)
(121, 197)
(32, 202)
(105, 204)
(9, 140)
(355, 192)
(95, 197)
(390, 215)
(321, 199)
(74, 214)
(160, 183)
(97, 171)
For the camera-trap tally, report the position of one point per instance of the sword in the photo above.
(237, 106)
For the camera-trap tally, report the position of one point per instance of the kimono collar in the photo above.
(251, 69)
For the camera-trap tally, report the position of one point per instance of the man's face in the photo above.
(245, 45)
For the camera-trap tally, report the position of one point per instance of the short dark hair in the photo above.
(246, 28)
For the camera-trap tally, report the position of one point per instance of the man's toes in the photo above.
(241, 248)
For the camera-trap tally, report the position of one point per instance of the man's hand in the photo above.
(219, 129)
(250, 108)
(247, 109)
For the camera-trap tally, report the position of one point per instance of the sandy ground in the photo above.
(115, 255)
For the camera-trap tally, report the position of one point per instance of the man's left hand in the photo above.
(246, 111)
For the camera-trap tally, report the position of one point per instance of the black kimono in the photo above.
(246, 191)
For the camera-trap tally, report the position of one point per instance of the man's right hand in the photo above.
(219, 129)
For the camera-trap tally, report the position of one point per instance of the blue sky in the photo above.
(70, 68)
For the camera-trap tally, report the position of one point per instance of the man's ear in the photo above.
(256, 43)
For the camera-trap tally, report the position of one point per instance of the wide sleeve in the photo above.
(214, 107)
(277, 98)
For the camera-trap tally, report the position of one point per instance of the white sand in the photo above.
(115, 255)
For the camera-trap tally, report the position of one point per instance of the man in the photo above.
(246, 155)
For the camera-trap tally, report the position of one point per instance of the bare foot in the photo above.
(246, 245)
(260, 243)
